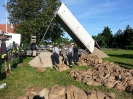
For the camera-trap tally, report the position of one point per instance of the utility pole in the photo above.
(6, 14)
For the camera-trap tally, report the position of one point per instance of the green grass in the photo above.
(25, 76)
(122, 57)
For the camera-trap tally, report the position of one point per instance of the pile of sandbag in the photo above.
(68, 92)
(89, 60)
(107, 74)
(61, 66)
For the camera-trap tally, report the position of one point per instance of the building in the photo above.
(9, 37)
(10, 28)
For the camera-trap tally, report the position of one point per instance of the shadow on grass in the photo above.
(124, 65)
(129, 56)
(2, 74)
(14, 63)
(18, 60)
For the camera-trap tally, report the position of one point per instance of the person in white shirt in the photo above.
(55, 56)
(70, 52)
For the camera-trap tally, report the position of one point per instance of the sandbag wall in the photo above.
(103, 73)
(68, 92)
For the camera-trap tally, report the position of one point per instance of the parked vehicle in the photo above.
(48, 47)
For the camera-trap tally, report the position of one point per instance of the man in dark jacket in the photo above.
(4, 56)
(75, 54)
(3, 50)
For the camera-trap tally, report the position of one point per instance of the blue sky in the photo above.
(94, 15)
(2, 12)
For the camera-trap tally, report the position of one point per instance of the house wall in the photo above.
(10, 29)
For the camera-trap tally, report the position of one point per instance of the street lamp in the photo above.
(6, 14)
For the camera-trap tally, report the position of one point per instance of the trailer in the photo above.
(74, 28)
(77, 32)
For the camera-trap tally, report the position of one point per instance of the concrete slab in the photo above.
(42, 60)
(99, 53)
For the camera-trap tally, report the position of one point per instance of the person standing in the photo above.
(55, 56)
(3, 50)
(75, 54)
(70, 52)
(4, 57)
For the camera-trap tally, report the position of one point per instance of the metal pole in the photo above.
(46, 30)
(6, 14)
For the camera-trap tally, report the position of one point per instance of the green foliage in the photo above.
(32, 17)
(120, 38)
(128, 36)
(62, 40)
(105, 38)
(107, 35)
(124, 38)
(65, 41)
(101, 40)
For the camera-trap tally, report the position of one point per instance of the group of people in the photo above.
(71, 55)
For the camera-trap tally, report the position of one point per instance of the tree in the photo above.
(33, 17)
(104, 39)
(118, 38)
(107, 36)
(128, 36)
(65, 40)
(101, 40)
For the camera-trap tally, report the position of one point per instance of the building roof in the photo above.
(10, 29)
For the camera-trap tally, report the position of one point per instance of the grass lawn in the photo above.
(122, 57)
(25, 76)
